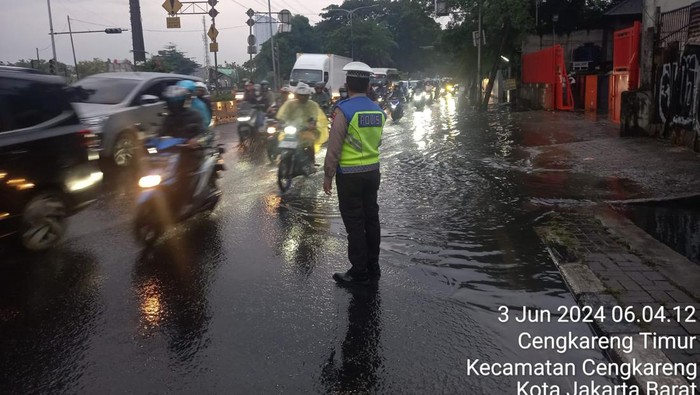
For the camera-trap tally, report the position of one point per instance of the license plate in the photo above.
(288, 144)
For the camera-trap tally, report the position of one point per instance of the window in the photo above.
(107, 90)
(306, 76)
(27, 103)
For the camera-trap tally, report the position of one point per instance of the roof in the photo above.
(627, 7)
(30, 74)
(142, 75)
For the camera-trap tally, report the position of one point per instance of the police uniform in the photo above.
(352, 158)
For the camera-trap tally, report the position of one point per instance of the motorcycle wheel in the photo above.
(272, 152)
(244, 137)
(147, 227)
(284, 173)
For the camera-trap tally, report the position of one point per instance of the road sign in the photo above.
(213, 2)
(250, 12)
(213, 13)
(113, 30)
(251, 39)
(250, 22)
(213, 47)
(285, 16)
(172, 6)
(252, 50)
(172, 22)
(475, 37)
(213, 33)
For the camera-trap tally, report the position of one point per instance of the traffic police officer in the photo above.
(352, 158)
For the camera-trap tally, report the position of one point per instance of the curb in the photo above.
(588, 290)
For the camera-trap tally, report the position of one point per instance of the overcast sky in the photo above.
(25, 27)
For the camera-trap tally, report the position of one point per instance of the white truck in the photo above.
(311, 68)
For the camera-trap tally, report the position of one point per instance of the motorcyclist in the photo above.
(249, 94)
(284, 93)
(196, 103)
(343, 93)
(268, 97)
(321, 97)
(299, 111)
(403, 90)
(184, 122)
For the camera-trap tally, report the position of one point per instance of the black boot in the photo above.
(351, 278)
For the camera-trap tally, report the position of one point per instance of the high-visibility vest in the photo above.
(360, 152)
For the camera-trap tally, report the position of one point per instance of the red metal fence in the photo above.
(626, 53)
(547, 67)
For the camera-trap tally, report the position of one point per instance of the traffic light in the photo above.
(113, 30)
(52, 66)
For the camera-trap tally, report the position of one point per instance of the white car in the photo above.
(123, 108)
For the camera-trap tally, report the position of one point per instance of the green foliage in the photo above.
(90, 67)
(170, 60)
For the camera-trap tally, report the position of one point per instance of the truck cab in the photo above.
(314, 68)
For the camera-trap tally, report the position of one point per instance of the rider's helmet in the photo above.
(257, 88)
(187, 84)
(319, 86)
(176, 98)
(201, 89)
(303, 90)
(265, 85)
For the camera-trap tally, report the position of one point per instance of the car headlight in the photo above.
(271, 130)
(81, 183)
(149, 181)
(290, 130)
(243, 119)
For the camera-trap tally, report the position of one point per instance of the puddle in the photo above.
(675, 223)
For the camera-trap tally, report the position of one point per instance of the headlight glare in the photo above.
(149, 181)
(290, 130)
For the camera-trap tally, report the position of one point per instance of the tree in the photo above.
(171, 60)
(90, 67)
(303, 38)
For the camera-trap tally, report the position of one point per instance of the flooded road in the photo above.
(243, 300)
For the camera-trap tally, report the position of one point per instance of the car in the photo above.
(124, 109)
(48, 159)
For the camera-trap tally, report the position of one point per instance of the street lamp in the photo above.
(555, 18)
(350, 14)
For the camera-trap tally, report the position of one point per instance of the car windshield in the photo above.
(106, 90)
(306, 75)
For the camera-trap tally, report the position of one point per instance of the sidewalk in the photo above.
(606, 259)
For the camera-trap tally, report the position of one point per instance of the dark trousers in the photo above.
(357, 197)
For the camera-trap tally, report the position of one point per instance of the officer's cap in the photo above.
(357, 69)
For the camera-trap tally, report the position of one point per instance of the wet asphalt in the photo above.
(242, 300)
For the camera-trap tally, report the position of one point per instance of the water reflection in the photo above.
(303, 234)
(49, 306)
(361, 359)
(172, 283)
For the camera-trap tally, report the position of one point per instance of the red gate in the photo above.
(547, 67)
(625, 66)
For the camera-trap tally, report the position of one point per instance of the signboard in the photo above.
(252, 50)
(213, 33)
(251, 39)
(213, 2)
(475, 37)
(509, 84)
(285, 16)
(213, 47)
(213, 13)
(173, 22)
(250, 12)
(172, 6)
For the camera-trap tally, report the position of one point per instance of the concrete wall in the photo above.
(535, 97)
(569, 43)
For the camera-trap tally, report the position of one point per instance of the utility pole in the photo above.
(53, 41)
(478, 61)
(650, 17)
(272, 47)
(37, 58)
(75, 61)
(207, 59)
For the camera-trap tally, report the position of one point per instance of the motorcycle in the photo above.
(420, 99)
(247, 120)
(272, 139)
(166, 197)
(395, 108)
(295, 158)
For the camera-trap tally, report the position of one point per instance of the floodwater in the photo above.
(243, 301)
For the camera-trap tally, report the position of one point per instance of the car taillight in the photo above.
(88, 139)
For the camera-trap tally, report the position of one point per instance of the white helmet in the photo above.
(358, 69)
(303, 89)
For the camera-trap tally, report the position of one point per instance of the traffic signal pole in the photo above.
(53, 41)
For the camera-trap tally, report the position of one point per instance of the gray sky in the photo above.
(25, 27)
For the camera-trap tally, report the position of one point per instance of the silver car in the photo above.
(124, 108)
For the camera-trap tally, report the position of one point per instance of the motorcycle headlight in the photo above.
(149, 181)
(291, 96)
(290, 130)
(271, 130)
(243, 119)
